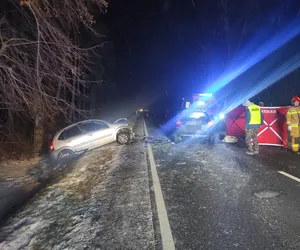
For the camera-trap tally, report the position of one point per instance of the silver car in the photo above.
(194, 125)
(87, 135)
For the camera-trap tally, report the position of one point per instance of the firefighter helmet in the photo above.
(295, 99)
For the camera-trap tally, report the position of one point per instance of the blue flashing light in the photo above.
(250, 57)
(278, 73)
(221, 116)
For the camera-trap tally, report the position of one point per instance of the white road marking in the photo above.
(290, 176)
(165, 230)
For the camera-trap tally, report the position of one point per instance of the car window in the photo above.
(70, 132)
(92, 126)
(204, 119)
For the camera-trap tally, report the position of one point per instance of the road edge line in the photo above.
(289, 176)
(165, 229)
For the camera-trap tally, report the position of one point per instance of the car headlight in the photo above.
(221, 116)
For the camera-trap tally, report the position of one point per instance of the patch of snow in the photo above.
(102, 203)
(266, 194)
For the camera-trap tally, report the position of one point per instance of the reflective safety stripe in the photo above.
(255, 115)
(293, 112)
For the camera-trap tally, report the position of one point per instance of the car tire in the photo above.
(221, 136)
(65, 154)
(176, 138)
(212, 140)
(123, 138)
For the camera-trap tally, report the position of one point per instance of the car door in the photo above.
(99, 132)
(75, 139)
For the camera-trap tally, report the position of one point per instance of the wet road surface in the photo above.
(217, 197)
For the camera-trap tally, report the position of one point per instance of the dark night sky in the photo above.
(180, 46)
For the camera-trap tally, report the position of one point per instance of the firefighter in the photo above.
(254, 120)
(293, 122)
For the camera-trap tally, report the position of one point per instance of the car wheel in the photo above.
(221, 136)
(65, 154)
(212, 140)
(176, 138)
(123, 138)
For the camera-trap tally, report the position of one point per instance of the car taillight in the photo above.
(178, 123)
(51, 146)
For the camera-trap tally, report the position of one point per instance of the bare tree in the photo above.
(40, 62)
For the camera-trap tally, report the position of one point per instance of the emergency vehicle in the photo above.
(205, 102)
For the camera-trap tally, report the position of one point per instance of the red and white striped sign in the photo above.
(273, 132)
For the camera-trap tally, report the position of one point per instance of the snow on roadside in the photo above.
(103, 203)
(127, 217)
(61, 212)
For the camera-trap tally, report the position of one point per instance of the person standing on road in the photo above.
(254, 120)
(293, 122)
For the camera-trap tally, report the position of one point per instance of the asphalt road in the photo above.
(217, 197)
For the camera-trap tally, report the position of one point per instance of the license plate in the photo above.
(190, 123)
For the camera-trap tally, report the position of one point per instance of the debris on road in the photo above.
(154, 139)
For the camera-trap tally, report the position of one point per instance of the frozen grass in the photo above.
(102, 203)
(61, 209)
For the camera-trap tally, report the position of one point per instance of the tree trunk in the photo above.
(38, 136)
(71, 111)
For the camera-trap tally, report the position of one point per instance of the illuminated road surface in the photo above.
(220, 198)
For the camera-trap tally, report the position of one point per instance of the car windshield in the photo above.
(203, 119)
